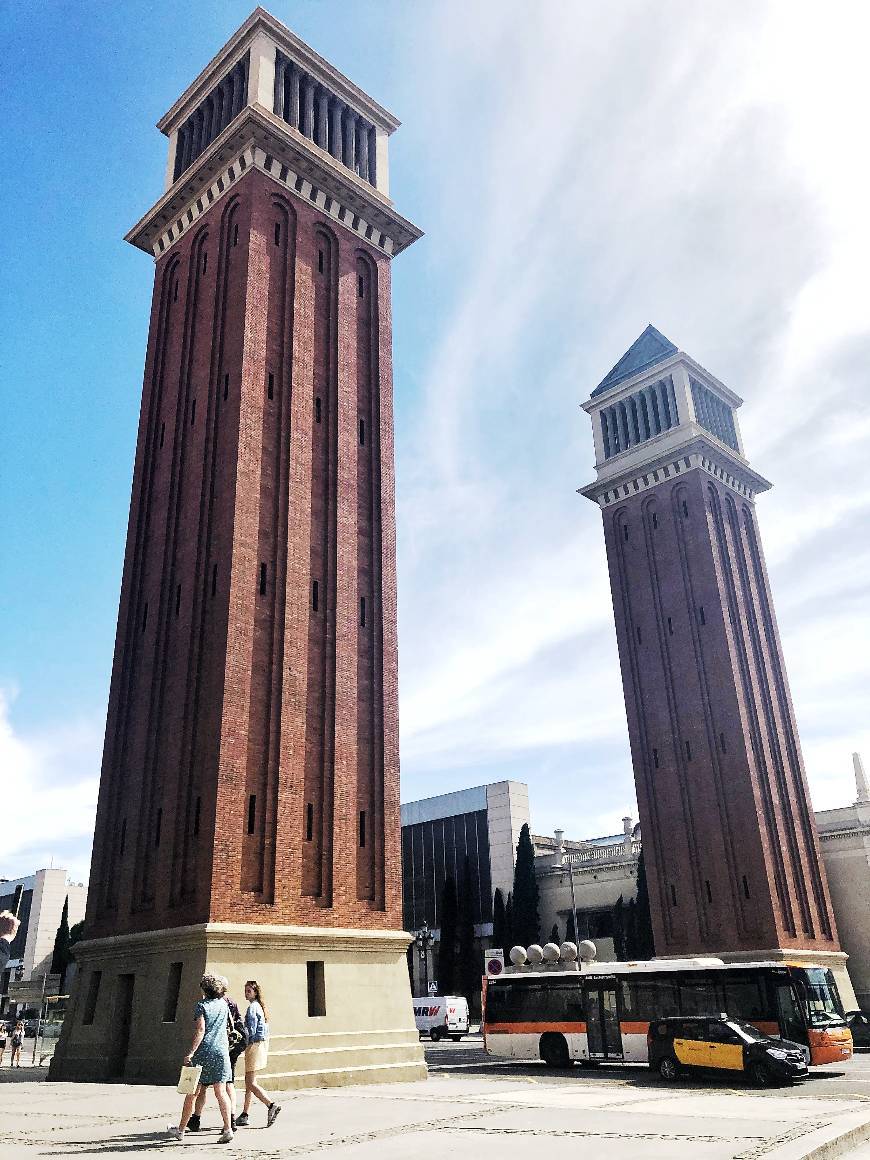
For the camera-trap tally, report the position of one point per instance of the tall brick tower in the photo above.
(729, 837)
(248, 814)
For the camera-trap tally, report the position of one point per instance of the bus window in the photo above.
(646, 998)
(822, 999)
(791, 1024)
(697, 997)
(745, 996)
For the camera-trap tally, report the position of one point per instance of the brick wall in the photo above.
(242, 719)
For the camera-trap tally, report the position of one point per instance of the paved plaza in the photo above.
(465, 1109)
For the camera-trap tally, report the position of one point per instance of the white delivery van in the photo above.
(440, 1016)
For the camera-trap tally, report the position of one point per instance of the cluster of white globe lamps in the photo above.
(550, 953)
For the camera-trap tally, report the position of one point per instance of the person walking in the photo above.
(237, 1037)
(209, 1050)
(256, 1054)
(17, 1044)
(4, 1035)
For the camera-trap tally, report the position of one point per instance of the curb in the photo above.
(835, 1139)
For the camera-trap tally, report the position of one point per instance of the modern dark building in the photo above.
(248, 813)
(481, 824)
(732, 853)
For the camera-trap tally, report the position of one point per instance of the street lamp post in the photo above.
(424, 939)
(570, 861)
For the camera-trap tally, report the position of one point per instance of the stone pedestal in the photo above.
(131, 1016)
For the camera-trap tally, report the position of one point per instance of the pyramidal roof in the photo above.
(650, 348)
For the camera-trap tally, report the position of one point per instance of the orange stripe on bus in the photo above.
(534, 1028)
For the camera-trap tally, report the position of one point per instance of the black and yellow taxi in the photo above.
(689, 1042)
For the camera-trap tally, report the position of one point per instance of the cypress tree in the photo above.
(526, 922)
(554, 934)
(509, 940)
(468, 973)
(644, 944)
(570, 932)
(60, 956)
(500, 933)
(619, 930)
(447, 942)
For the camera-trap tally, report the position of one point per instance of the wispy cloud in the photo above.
(599, 167)
(51, 778)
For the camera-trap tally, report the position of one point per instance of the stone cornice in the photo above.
(220, 935)
(262, 21)
(696, 449)
(313, 169)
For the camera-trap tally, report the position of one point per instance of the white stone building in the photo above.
(40, 908)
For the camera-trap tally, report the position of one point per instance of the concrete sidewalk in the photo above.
(447, 1114)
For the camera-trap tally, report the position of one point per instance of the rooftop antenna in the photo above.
(860, 779)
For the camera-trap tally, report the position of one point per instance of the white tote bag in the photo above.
(188, 1081)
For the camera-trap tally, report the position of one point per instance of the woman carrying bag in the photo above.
(256, 1054)
(210, 1052)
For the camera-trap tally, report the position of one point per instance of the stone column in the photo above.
(292, 100)
(321, 137)
(169, 178)
(335, 111)
(350, 138)
(307, 123)
(363, 134)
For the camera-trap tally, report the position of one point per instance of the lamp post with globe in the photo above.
(424, 939)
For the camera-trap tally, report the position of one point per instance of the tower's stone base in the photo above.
(835, 961)
(131, 1013)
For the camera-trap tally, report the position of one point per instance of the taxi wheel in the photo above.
(759, 1075)
(554, 1050)
(669, 1069)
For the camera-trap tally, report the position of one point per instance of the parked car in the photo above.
(859, 1024)
(440, 1016)
(701, 1042)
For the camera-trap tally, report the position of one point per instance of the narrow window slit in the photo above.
(193, 412)
(158, 823)
(656, 758)
(271, 388)
(670, 627)
(277, 233)
(226, 385)
(320, 261)
(196, 813)
(145, 616)
(236, 234)
(213, 579)
(317, 410)
(688, 751)
(315, 595)
(362, 612)
(309, 822)
(177, 599)
(745, 887)
(362, 829)
(673, 895)
(162, 433)
(709, 891)
(262, 579)
(362, 432)
(252, 812)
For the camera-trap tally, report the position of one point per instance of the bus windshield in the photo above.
(820, 996)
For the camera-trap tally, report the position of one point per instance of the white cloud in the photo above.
(50, 781)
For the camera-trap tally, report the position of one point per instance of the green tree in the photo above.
(500, 933)
(554, 934)
(621, 934)
(570, 932)
(644, 944)
(76, 933)
(526, 922)
(447, 962)
(468, 974)
(60, 956)
(509, 940)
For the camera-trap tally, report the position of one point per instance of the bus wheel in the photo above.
(554, 1050)
(668, 1069)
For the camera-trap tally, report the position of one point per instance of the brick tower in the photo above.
(248, 814)
(730, 843)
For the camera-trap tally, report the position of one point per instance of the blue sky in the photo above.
(577, 175)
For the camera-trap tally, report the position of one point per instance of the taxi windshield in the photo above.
(747, 1031)
(821, 997)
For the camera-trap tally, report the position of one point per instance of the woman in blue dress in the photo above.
(210, 1050)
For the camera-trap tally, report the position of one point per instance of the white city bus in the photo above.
(594, 1011)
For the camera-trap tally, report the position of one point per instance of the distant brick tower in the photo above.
(248, 813)
(729, 838)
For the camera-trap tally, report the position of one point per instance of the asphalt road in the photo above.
(849, 1080)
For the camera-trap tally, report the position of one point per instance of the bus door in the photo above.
(602, 1022)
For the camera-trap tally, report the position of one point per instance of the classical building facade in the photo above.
(844, 836)
(481, 825)
(248, 815)
(586, 877)
(732, 854)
